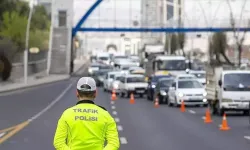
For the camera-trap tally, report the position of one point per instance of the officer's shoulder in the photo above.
(102, 107)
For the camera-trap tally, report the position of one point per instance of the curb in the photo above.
(42, 82)
(23, 86)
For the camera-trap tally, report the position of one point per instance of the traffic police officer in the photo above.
(86, 126)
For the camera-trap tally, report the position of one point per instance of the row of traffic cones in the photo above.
(114, 97)
(224, 125)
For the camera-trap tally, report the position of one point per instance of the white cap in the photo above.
(86, 84)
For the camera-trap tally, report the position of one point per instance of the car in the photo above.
(201, 75)
(116, 82)
(109, 78)
(135, 68)
(141, 71)
(116, 58)
(161, 90)
(99, 76)
(135, 84)
(135, 59)
(152, 81)
(94, 67)
(190, 91)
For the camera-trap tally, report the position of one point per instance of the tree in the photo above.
(40, 19)
(14, 28)
(218, 46)
(181, 42)
(40, 39)
(239, 40)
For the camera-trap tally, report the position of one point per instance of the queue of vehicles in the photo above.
(172, 80)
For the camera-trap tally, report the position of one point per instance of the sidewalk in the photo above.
(38, 79)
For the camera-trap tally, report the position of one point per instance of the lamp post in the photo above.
(26, 51)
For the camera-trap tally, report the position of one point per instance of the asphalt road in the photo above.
(141, 126)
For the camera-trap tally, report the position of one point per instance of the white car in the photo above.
(200, 74)
(191, 91)
(116, 82)
(132, 83)
(109, 78)
(135, 59)
(135, 68)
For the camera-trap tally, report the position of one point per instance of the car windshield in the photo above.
(186, 77)
(172, 65)
(125, 68)
(135, 79)
(200, 75)
(105, 67)
(121, 57)
(156, 78)
(166, 83)
(118, 78)
(111, 76)
(189, 84)
(237, 82)
(95, 66)
(103, 58)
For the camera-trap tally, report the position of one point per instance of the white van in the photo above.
(228, 90)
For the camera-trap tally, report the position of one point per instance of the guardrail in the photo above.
(33, 68)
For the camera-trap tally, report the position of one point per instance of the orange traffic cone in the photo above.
(224, 125)
(208, 117)
(182, 109)
(113, 96)
(156, 102)
(132, 99)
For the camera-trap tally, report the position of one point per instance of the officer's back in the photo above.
(86, 125)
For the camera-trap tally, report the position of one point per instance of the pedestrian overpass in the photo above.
(154, 20)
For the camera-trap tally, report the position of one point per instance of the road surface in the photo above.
(141, 126)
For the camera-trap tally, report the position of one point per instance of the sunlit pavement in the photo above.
(140, 125)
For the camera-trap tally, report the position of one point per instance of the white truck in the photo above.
(103, 57)
(228, 89)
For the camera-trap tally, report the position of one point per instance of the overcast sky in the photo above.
(197, 12)
(216, 12)
(108, 12)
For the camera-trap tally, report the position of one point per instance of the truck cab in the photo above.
(228, 90)
(173, 64)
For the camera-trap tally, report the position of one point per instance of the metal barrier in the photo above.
(34, 67)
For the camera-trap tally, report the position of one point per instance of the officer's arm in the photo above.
(112, 136)
(61, 134)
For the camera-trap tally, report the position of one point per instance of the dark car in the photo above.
(152, 81)
(100, 74)
(161, 90)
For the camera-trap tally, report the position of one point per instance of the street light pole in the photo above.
(26, 51)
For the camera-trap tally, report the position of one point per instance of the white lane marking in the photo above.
(51, 104)
(112, 107)
(123, 140)
(247, 137)
(114, 113)
(117, 120)
(2, 134)
(112, 102)
(120, 128)
(203, 118)
(191, 111)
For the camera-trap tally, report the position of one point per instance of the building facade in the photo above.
(160, 13)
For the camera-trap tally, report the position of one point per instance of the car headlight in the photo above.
(180, 94)
(205, 94)
(163, 93)
(153, 86)
(90, 70)
(138, 64)
(112, 63)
